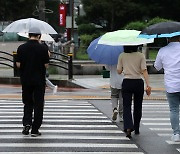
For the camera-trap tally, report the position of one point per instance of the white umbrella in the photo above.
(44, 37)
(23, 25)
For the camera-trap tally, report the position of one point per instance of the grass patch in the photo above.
(153, 54)
(52, 70)
(82, 56)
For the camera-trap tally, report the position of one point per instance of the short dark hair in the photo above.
(33, 35)
(129, 49)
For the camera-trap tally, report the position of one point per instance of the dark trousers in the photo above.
(33, 99)
(132, 88)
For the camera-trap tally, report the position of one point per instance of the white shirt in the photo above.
(168, 58)
(115, 78)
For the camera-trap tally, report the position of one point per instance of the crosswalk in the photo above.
(156, 118)
(68, 127)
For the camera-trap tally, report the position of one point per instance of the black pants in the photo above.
(33, 99)
(132, 88)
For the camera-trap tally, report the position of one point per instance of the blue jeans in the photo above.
(174, 102)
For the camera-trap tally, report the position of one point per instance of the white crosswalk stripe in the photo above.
(156, 118)
(68, 127)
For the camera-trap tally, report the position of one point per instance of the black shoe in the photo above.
(35, 134)
(128, 134)
(26, 130)
(136, 132)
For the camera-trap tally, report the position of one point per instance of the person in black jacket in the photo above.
(32, 59)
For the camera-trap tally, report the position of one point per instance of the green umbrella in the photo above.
(124, 37)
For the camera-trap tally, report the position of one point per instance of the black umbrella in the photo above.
(162, 29)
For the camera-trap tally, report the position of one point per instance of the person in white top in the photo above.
(168, 58)
(116, 93)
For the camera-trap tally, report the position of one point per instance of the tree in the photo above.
(12, 10)
(115, 14)
(16, 9)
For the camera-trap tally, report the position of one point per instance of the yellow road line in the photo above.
(18, 96)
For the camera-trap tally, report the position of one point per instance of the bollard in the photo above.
(70, 66)
(16, 70)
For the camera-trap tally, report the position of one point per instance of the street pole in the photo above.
(71, 2)
(41, 10)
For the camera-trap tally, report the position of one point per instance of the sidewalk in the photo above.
(95, 87)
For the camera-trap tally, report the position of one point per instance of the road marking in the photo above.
(60, 126)
(49, 110)
(72, 152)
(155, 112)
(92, 145)
(161, 105)
(161, 129)
(156, 119)
(157, 124)
(171, 142)
(66, 131)
(60, 120)
(161, 134)
(59, 116)
(57, 113)
(86, 137)
(48, 106)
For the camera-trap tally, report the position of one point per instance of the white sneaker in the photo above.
(121, 118)
(114, 117)
(175, 138)
(55, 90)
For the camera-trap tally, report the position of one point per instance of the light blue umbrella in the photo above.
(104, 54)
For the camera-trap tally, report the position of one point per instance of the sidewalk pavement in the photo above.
(95, 87)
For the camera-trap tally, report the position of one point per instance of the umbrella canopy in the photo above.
(124, 37)
(23, 25)
(104, 54)
(162, 29)
(44, 37)
(106, 49)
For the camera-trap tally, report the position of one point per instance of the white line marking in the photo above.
(161, 134)
(158, 119)
(156, 112)
(157, 124)
(48, 106)
(65, 137)
(58, 116)
(71, 153)
(66, 131)
(68, 110)
(60, 126)
(161, 129)
(59, 120)
(57, 113)
(171, 142)
(92, 145)
(165, 105)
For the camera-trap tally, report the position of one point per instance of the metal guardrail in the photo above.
(68, 61)
(53, 61)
